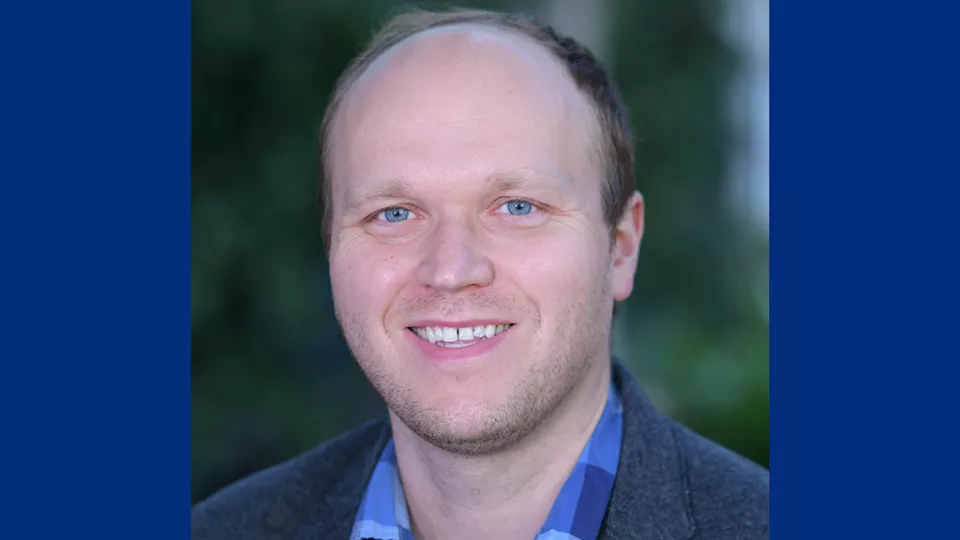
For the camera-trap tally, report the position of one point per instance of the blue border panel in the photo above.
(95, 269)
(863, 269)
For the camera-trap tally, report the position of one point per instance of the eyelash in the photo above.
(535, 208)
(376, 216)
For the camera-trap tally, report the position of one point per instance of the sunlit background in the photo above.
(272, 376)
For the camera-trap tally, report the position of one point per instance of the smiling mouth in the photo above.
(457, 337)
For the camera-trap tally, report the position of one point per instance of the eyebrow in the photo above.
(507, 181)
(398, 188)
(393, 189)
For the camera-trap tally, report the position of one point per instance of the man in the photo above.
(481, 222)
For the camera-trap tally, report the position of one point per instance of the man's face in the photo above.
(471, 266)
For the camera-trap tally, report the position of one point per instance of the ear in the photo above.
(626, 248)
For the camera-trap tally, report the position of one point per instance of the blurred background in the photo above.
(271, 374)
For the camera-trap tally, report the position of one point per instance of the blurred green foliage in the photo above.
(271, 375)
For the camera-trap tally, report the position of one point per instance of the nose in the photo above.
(454, 260)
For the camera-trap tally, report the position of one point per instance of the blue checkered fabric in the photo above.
(577, 512)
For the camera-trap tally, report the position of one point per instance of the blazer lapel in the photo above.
(649, 498)
(336, 509)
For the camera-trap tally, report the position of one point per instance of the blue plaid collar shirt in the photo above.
(577, 512)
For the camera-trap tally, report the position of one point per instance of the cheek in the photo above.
(365, 281)
(557, 271)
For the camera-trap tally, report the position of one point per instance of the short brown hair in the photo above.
(615, 147)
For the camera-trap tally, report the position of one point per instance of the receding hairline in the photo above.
(576, 105)
(612, 144)
(464, 35)
(379, 60)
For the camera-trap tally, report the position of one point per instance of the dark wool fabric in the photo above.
(671, 484)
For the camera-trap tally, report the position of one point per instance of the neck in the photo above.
(504, 495)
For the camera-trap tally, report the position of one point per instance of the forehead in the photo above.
(462, 97)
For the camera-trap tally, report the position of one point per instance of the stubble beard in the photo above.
(555, 371)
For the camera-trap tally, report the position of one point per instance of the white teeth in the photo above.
(449, 334)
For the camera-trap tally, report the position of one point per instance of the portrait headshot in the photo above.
(487, 272)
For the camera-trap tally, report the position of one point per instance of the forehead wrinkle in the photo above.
(554, 180)
(395, 188)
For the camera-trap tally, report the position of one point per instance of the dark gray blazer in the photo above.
(671, 485)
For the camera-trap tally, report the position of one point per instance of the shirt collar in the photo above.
(577, 512)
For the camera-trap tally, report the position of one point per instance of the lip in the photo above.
(457, 324)
(443, 354)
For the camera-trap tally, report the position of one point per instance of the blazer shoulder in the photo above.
(728, 495)
(305, 491)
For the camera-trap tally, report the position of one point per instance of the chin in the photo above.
(469, 427)
(467, 438)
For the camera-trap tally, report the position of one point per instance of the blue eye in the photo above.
(518, 208)
(394, 215)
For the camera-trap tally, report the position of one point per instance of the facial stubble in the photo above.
(556, 367)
